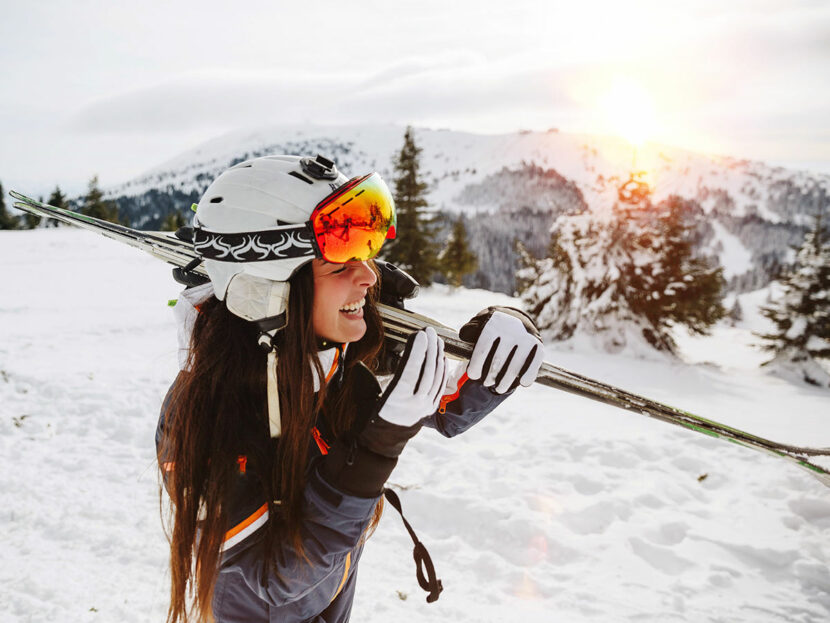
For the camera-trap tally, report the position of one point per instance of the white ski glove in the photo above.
(508, 348)
(416, 388)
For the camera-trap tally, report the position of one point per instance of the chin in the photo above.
(345, 335)
(353, 335)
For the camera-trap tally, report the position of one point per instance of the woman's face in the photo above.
(339, 295)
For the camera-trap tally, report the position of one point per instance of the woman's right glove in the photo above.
(416, 388)
(361, 463)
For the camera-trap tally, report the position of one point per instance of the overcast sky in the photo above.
(91, 87)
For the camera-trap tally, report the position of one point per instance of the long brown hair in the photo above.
(214, 411)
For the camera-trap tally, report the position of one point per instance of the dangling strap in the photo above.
(274, 423)
(423, 562)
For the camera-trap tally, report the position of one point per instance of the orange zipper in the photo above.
(321, 443)
(445, 400)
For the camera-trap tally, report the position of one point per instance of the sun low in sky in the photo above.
(628, 110)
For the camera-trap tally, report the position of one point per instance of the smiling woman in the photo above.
(339, 296)
(276, 439)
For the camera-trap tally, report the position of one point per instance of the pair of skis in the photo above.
(399, 324)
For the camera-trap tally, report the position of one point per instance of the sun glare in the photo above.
(629, 111)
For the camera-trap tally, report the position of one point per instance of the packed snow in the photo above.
(553, 508)
(732, 254)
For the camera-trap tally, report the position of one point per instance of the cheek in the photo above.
(325, 308)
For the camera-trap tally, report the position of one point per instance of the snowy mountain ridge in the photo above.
(752, 213)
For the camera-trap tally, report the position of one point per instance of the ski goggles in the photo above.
(354, 221)
(351, 224)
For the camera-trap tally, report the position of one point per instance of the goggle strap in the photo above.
(281, 243)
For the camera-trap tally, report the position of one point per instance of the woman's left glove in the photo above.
(508, 348)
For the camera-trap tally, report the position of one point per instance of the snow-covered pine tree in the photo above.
(577, 287)
(7, 221)
(625, 277)
(801, 316)
(414, 250)
(456, 258)
(669, 285)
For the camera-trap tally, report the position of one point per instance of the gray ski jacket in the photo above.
(343, 487)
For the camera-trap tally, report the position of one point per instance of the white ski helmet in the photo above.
(262, 206)
(259, 195)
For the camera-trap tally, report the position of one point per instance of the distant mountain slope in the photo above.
(513, 185)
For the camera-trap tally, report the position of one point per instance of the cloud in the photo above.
(450, 87)
(726, 104)
(750, 73)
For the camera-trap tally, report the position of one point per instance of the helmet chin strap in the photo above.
(265, 302)
(274, 422)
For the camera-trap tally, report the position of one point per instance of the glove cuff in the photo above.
(356, 471)
(470, 331)
(385, 438)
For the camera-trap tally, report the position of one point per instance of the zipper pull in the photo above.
(445, 400)
(322, 444)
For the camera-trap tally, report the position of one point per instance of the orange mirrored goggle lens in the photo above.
(353, 223)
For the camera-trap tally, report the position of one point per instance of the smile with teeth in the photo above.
(353, 308)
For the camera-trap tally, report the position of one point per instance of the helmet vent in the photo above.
(216, 200)
(300, 177)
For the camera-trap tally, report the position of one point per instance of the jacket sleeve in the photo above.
(303, 585)
(465, 404)
(342, 489)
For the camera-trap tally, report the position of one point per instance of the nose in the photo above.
(364, 276)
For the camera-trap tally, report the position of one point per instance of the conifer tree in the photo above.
(414, 250)
(623, 277)
(59, 200)
(7, 221)
(801, 316)
(456, 258)
(679, 287)
(173, 221)
(95, 205)
(30, 221)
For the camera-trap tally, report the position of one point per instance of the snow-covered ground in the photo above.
(553, 509)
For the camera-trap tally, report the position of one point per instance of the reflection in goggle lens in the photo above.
(355, 224)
